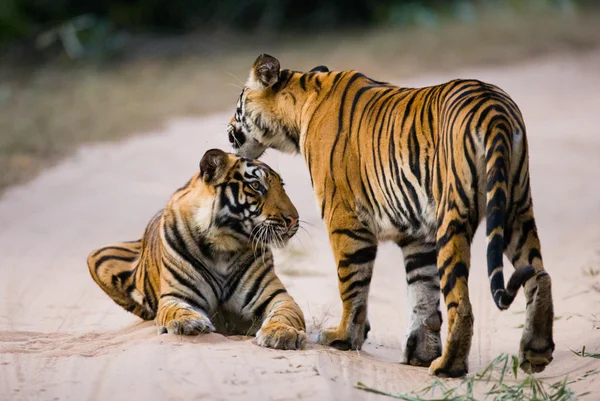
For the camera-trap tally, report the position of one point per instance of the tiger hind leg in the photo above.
(537, 345)
(453, 261)
(422, 343)
(113, 268)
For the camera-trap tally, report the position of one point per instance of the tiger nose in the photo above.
(236, 138)
(291, 221)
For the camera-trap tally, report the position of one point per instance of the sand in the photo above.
(62, 338)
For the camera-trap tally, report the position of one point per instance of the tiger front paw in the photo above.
(280, 336)
(343, 339)
(191, 323)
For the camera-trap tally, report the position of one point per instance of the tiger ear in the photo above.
(213, 165)
(320, 68)
(264, 73)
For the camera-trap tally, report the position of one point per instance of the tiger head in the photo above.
(265, 115)
(235, 201)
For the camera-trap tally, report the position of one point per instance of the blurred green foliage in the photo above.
(61, 20)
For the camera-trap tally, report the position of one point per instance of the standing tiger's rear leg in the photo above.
(537, 345)
(453, 261)
(422, 343)
(354, 249)
(114, 268)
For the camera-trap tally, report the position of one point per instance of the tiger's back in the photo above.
(403, 143)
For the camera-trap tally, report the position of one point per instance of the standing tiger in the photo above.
(205, 260)
(420, 167)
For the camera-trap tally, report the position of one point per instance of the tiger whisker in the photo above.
(307, 234)
(233, 75)
(254, 239)
(306, 222)
(234, 85)
(262, 239)
(276, 238)
(300, 242)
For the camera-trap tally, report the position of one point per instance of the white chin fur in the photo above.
(252, 149)
(204, 215)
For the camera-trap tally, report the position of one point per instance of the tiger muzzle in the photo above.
(236, 138)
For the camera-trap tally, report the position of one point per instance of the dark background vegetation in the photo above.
(104, 28)
(85, 71)
(21, 18)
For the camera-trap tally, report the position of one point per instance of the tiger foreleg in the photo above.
(453, 262)
(422, 342)
(283, 325)
(354, 249)
(176, 316)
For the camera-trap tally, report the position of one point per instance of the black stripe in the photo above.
(186, 299)
(193, 287)
(494, 256)
(444, 266)
(114, 248)
(303, 82)
(260, 310)
(318, 84)
(284, 78)
(454, 228)
(347, 277)
(113, 257)
(459, 188)
(341, 116)
(257, 283)
(534, 253)
(354, 233)
(414, 157)
(121, 277)
(417, 260)
(149, 294)
(469, 144)
(244, 266)
(350, 296)
(358, 284)
(179, 245)
(360, 256)
(323, 200)
(527, 227)
(459, 270)
(418, 277)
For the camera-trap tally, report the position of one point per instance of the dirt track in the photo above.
(62, 338)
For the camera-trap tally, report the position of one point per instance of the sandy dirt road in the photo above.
(62, 338)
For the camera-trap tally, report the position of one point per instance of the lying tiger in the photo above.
(419, 167)
(204, 262)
